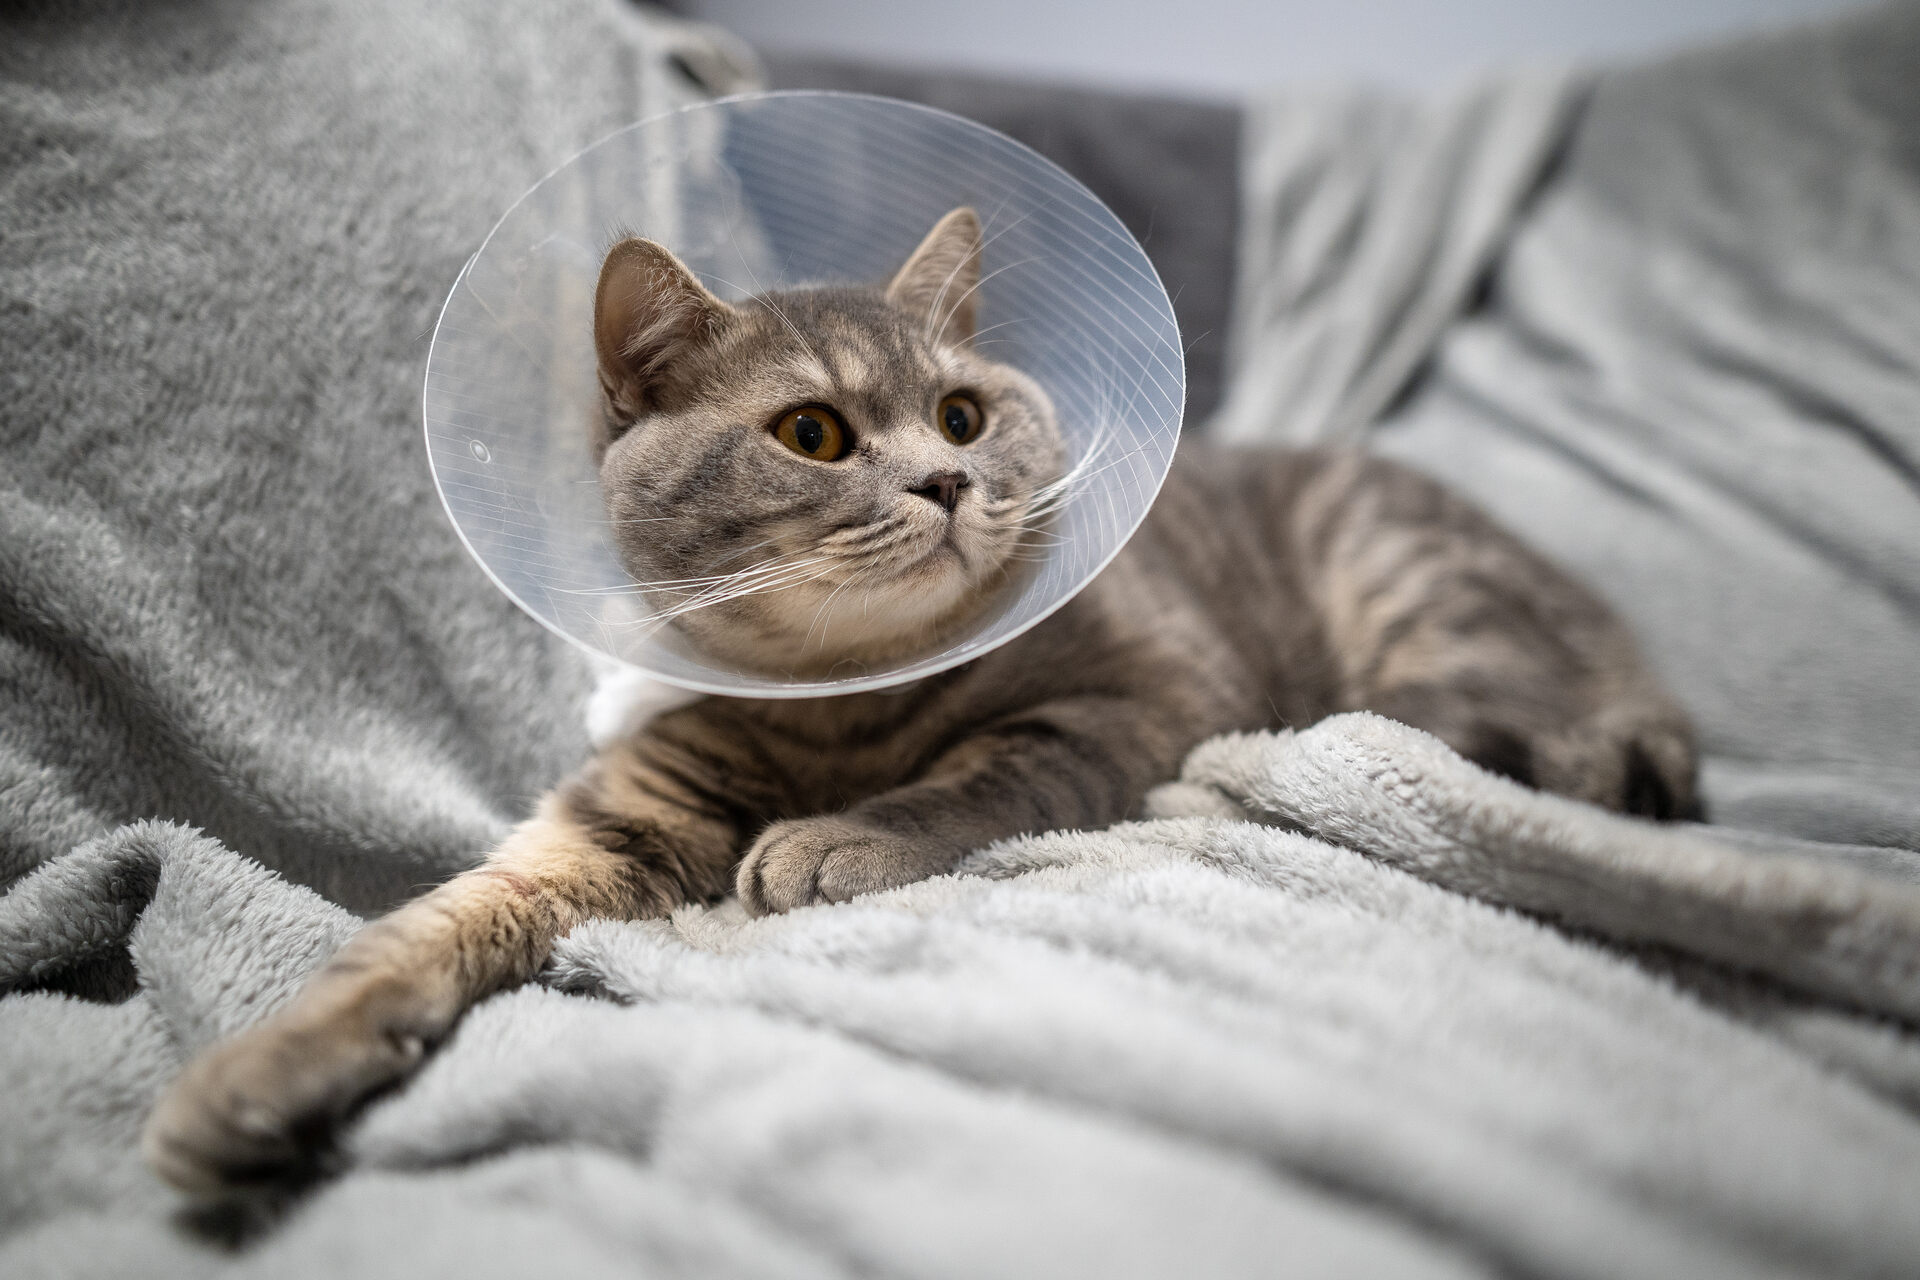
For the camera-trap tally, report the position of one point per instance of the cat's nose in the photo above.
(942, 487)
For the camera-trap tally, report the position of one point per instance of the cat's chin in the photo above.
(826, 633)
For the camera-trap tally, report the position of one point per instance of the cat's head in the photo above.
(817, 477)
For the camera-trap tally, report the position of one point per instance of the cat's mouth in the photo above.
(955, 545)
(947, 547)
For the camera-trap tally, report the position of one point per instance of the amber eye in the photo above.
(813, 432)
(960, 419)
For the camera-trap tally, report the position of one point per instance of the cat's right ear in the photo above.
(938, 283)
(648, 311)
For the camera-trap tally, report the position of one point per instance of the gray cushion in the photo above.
(228, 593)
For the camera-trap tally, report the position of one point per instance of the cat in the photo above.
(833, 437)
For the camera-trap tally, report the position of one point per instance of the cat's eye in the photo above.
(960, 419)
(813, 432)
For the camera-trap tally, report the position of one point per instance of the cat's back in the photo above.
(1270, 549)
(1219, 561)
(1234, 517)
(1221, 499)
(1216, 537)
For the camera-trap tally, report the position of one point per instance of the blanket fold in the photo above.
(1367, 224)
(1837, 922)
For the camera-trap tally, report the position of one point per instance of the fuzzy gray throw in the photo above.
(1343, 1005)
(1236, 1039)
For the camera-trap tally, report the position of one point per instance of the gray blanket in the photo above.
(1690, 370)
(228, 594)
(1345, 1005)
(1197, 1045)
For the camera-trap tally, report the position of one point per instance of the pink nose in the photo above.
(942, 487)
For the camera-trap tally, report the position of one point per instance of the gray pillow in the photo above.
(228, 594)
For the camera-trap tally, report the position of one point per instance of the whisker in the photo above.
(975, 289)
(793, 579)
(819, 613)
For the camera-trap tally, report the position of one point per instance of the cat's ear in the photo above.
(648, 310)
(939, 284)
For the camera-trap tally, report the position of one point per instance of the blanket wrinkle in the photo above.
(1233, 990)
(1117, 1031)
(778, 1116)
(216, 941)
(1787, 909)
(1367, 224)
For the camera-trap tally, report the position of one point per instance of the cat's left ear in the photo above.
(939, 283)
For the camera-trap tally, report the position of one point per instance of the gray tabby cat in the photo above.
(834, 443)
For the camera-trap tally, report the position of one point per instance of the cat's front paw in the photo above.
(796, 864)
(257, 1109)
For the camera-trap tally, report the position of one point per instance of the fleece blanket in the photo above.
(1341, 1005)
(1236, 1040)
(228, 594)
(1689, 369)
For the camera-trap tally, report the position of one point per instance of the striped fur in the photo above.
(1265, 590)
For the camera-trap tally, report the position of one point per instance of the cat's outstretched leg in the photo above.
(257, 1107)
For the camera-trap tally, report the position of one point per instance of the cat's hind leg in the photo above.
(1441, 619)
(1634, 755)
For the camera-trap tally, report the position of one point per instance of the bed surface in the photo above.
(1343, 1005)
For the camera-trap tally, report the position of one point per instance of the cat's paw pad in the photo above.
(256, 1110)
(796, 864)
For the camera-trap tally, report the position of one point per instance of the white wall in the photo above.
(1220, 48)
